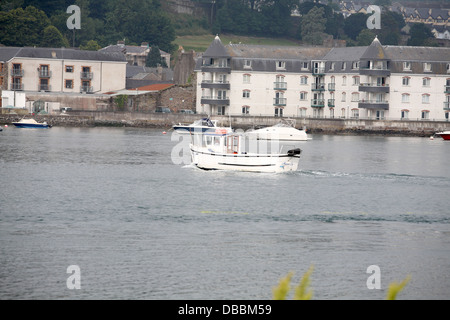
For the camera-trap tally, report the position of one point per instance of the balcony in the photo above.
(331, 87)
(319, 71)
(86, 89)
(318, 103)
(44, 87)
(280, 85)
(318, 87)
(209, 84)
(373, 104)
(447, 89)
(17, 72)
(17, 86)
(280, 102)
(373, 87)
(215, 100)
(331, 103)
(447, 105)
(45, 73)
(375, 71)
(87, 75)
(216, 68)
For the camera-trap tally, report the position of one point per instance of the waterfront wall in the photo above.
(156, 120)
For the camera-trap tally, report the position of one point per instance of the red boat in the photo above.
(445, 135)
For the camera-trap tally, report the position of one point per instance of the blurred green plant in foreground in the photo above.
(303, 292)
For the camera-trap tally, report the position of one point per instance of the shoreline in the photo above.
(409, 128)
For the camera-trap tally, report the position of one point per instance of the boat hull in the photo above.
(279, 133)
(31, 126)
(268, 163)
(445, 135)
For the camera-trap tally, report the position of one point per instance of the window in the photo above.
(344, 80)
(425, 114)
(304, 80)
(302, 112)
(247, 64)
(69, 69)
(355, 113)
(426, 82)
(355, 97)
(356, 81)
(406, 66)
(425, 98)
(304, 65)
(405, 114)
(1, 67)
(68, 84)
(221, 110)
(332, 66)
(448, 67)
(278, 112)
(355, 65)
(246, 78)
(281, 65)
(427, 67)
(344, 65)
(405, 81)
(245, 110)
(405, 98)
(303, 96)
(246, 94)
(344, 97)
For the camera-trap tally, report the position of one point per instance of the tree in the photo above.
(53, 38)
(365, 37)
(354, 24)
(22, 27)
(421, 35)
(154, 58)
(91, 45)
(313, 26)
(391, 24)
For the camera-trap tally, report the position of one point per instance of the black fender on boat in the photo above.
(294, 152)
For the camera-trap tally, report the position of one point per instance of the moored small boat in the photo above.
(201, 126)
(31, 123)
(444, 134)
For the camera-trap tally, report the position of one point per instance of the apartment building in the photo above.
(372, 82)
(61, 70)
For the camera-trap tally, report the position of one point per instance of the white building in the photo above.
(373, 82)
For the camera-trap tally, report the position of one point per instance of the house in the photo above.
(58, 72)
(370, 82)
(135, 55)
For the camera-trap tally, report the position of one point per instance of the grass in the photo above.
(200, 43)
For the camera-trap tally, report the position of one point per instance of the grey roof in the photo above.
(424, 54)
(59, 53)
(345, 54)
(216, 49)
(276, 53)
(375, 51)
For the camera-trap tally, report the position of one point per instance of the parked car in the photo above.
(163, 110)
(187, 111)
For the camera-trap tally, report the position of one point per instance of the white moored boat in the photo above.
(227, 152)
(200, 126)
(284, 131)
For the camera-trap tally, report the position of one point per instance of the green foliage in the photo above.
(91, 45)
(421, 35)
(52, 38)
(302, 291)
(396, 287)
(121, 101)
(313, 26)
(154, 58)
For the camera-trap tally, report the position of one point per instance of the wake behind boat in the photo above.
(227, 152)
(31, 123)
(201, 126)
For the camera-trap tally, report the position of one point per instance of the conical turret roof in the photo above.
(216, 49)
(375, 51)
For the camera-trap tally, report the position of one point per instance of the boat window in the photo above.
(209, 140)
(217, 141)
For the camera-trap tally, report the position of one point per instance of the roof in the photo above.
(216, 49)
(7, 53)
(275, 52)
(375, 51)
(154, 87)
(426, 54)
(345, 54)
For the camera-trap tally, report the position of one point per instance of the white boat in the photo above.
(31, 123)
(227, 152)
(282, 131)
(201, 126)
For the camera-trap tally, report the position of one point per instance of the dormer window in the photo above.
(406, 66)
(427, 67)
(304, 65)
(247, 64)
(281, 65)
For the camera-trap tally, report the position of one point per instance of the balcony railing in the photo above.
(280, 101)
(45, 73)
(374, 87)
(447, 89)
(318, 103)
(44, 87)
(280, 85)
(331, 86)
(318, 70)
(447, 105)
(17, 86)
(87, 75)
(86, 89)
(331, 103)
(209, 84)
(318, 86)
(17, 72)
(215, 100)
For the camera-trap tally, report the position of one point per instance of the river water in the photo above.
(140, 224)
